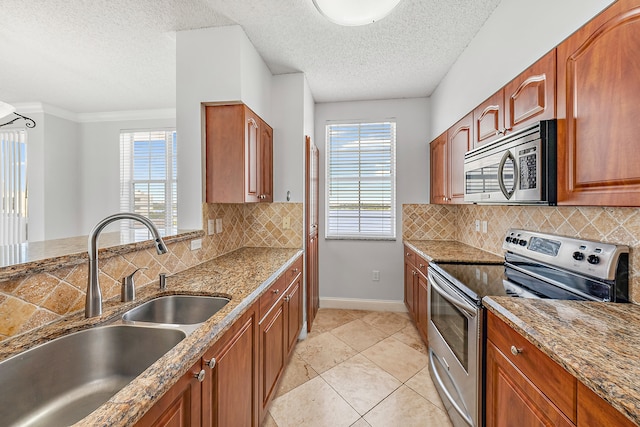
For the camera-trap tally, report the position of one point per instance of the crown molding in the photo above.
(107, 116)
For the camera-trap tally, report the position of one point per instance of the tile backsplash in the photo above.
(32, 300)
(607, 224)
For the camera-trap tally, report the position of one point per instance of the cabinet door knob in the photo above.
(276, 291)
(287, 298)
(421, 265)
(200, 375)
(515, 350)
(408, 253)
(414, 272)
(211, 363)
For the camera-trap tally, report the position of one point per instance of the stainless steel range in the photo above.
(536, 265)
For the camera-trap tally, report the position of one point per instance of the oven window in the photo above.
(482, 180)
(453, 325)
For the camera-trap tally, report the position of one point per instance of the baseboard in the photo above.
(362, 304)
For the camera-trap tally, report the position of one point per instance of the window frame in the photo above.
(391, 235)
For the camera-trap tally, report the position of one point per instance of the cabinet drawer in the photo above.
(409, 256)
(421, 264)
(556, 383)
(272, 295)
(294, 270)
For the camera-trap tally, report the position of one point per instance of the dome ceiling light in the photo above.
(355, 12)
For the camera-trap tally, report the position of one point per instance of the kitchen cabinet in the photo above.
(595, 411)
(180, 405)
(415, 289)
(598, 109)
(279, 327)
(488, 119)
(229, 395)
(447, 162)
(239, 152)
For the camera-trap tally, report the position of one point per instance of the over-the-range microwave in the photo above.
(520, 168)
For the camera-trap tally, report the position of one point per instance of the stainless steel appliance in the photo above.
(536, 265)
(517, 169)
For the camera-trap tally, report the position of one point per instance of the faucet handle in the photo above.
(128, 290)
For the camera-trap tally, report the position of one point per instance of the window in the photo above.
(13, 187)
(361, 181)
(148, 179)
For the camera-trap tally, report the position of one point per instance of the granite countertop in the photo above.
(452, 251)
(242, 276)
(596, 342)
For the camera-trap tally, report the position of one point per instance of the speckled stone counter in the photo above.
(598, 343)
(242, 276)
(452, 251)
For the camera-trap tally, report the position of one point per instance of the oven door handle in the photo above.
(467, 308)
(465, 416)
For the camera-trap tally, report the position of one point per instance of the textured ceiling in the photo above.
(113, 55)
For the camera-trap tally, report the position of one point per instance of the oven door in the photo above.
(454, 350)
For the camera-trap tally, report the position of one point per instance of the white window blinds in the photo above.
(361, 181)
(148, 179)
(13, 186)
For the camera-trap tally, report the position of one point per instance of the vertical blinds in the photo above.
(361, 181)
(13, 187)
(148, 177)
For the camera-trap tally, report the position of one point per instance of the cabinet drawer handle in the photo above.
(276, 291)
(295, 270)
(515, 350)
(408, 253)
(211, 363)
(421, 265)
(200, 375)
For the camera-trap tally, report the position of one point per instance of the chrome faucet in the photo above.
(93, 305)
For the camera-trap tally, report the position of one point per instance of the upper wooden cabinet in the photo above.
(527, 99)
(598, 92)
(239, 155)
(439, 168)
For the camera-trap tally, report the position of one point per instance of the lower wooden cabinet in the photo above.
(180, 406)
(416, 290)
(229, 395)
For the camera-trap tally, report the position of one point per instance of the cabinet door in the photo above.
(251, 142)
(421, 303)
(180, 405)
(595, 411)
(409, 290)
(488, 119)
(438, 152)
(273, 337)
(513, 400)
(460, 141)
(265, 165)
(598, 89)
(530, 97)
(294, 312)
(229, 395)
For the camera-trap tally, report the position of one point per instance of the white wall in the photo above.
(517, 34)
(214, 65)
(346, 266)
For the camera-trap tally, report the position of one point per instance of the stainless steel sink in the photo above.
(176, 310)
(62, 381)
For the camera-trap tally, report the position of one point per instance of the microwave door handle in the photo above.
(467, 308)
(503, 188)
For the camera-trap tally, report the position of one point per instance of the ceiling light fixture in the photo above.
(355, 12)
(8, 109)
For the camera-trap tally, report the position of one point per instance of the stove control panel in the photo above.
(596, 259)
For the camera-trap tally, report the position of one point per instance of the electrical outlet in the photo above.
(210, 227)
(484, 226)
(286, 223)
(218, 225)
(196, 244)
(375, 275)
(477, 225)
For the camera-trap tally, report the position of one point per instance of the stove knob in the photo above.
(593, 259)
(522, 242)
(578, 256)
(508, 239)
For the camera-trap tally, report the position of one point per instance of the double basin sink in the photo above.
(61, 381)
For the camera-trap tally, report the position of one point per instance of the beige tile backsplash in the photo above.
(33, 300)
(611, 225)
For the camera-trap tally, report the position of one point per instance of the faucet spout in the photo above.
(93, 305)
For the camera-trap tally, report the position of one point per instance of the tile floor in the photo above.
(358, 368)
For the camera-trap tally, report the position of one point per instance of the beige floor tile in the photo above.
(422, 384)
(358, 334)
(268, 421)
(361, 383)
(312, 404)
(411, 337)
(406, 408)
(396, 358)
(324, 351)
(296, 373)
(361, 423)
(330, 318)
(387, 321)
